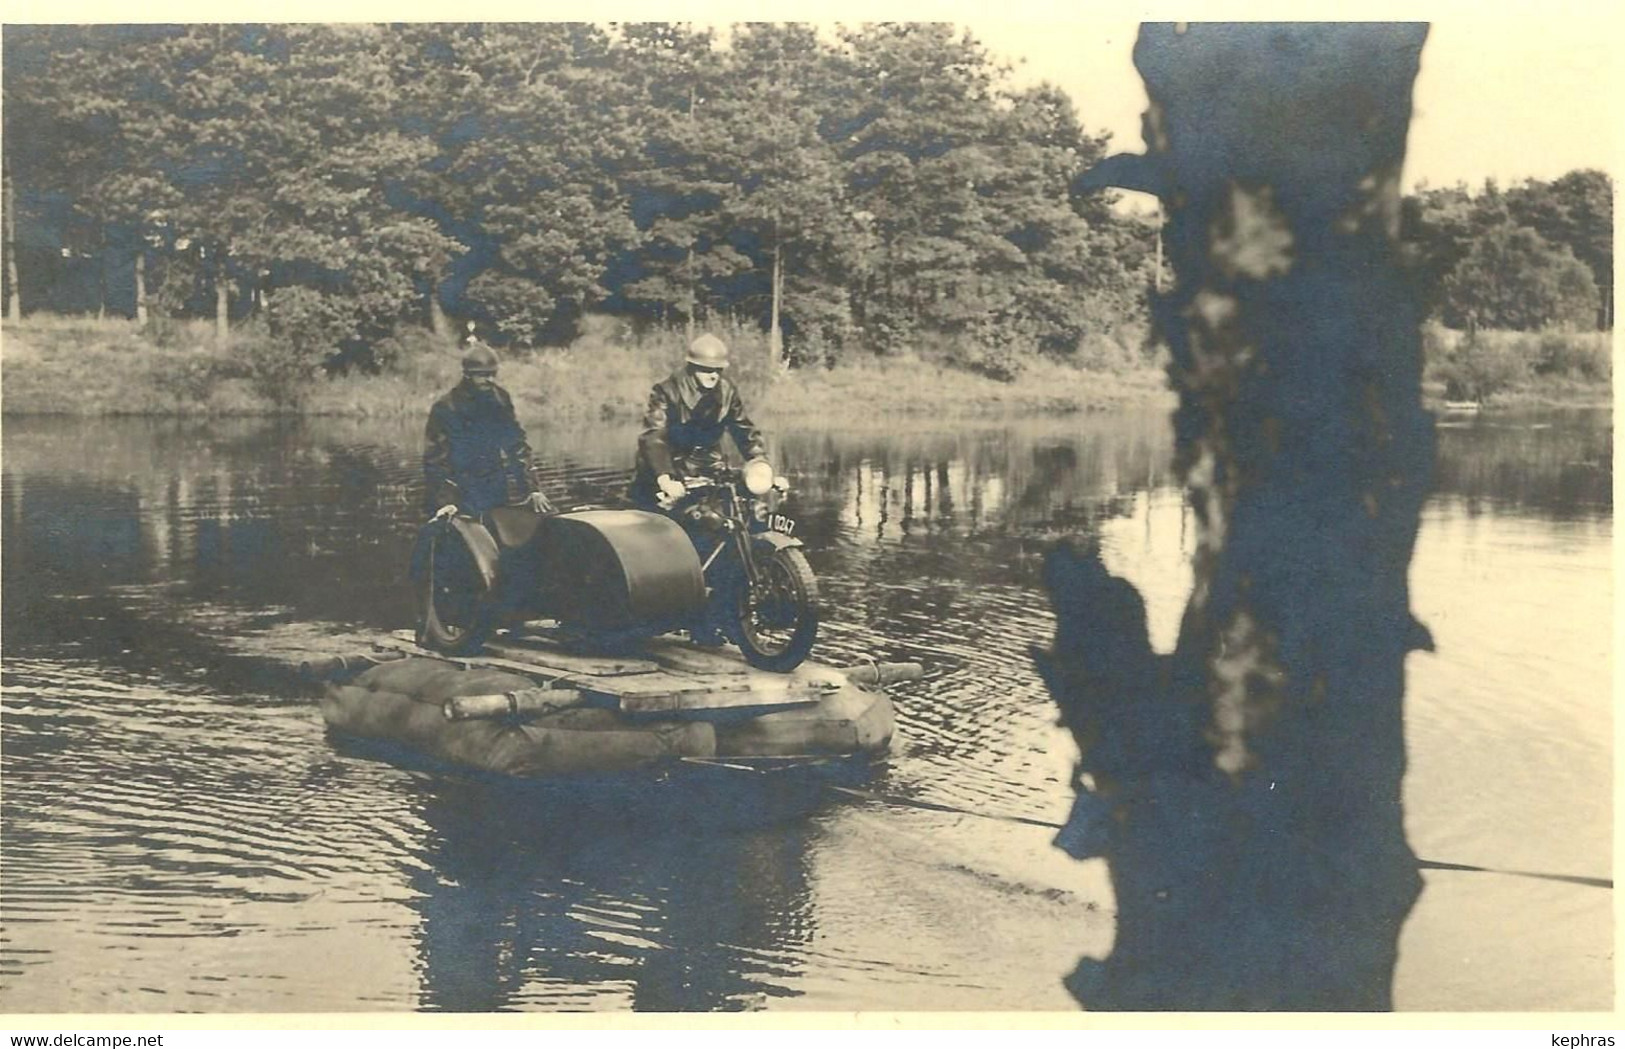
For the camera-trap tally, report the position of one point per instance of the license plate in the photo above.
(781, 523)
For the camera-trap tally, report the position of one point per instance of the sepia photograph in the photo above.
(992, 514)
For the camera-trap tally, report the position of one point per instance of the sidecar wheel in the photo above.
(776, 621)
(454, 616)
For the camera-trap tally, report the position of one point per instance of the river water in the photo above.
(179, 834)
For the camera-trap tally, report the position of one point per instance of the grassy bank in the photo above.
(81, 366)
(1513, 369)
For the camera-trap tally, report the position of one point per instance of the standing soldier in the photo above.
(475, 455)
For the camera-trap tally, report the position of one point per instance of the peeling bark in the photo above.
(1245, 791)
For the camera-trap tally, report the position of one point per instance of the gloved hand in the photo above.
(671, 490)
(539, 503)
(445, 513)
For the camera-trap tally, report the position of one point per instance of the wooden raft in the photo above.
(669, 678)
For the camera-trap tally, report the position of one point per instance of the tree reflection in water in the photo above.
(663, 898)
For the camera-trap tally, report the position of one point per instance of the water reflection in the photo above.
(270, 510)
(1560, 464)
(175, 821)
(536, 898)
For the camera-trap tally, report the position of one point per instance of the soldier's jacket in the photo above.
(475, 453)
(683, 429)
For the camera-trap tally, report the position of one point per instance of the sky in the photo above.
(1505, 99)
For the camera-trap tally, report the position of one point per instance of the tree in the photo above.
(787, 208)
(540, 170)
(331, 223)
(79, 124)
(885, 183)
(682, 172)
(1079, 263)
(25, 120)
(1441, 225)
(213, 148)
(915, 129)
(1575, 211)
(258, 156)
(1513, 278)
(261, 156)
(1246, 790)
(438, 98)
(14, 297)
(965, 187)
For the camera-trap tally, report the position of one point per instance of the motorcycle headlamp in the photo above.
(758, 476)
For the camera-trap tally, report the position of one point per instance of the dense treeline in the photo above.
(1536, 256)
(339, 183)
(881, 188)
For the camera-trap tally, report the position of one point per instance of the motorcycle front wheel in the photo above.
(453, 615)
(776, 621)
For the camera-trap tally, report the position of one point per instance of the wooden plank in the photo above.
(553, 655)
(666, 682)
(397, 643)
(535, 657)
(669, 693)
(682, 655)
(671, 704)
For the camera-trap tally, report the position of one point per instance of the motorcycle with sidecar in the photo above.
(613, 576)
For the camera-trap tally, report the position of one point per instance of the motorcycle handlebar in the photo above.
(735, 477)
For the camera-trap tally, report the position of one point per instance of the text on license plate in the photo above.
(781, 523)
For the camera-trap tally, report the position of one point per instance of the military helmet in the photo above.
(480, 359)
(708, 351)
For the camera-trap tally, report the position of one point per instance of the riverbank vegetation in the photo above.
(1518, 286)
(305, 218)
(84, 366)
(1551, 368)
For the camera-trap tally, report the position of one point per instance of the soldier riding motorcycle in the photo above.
(682, 472)
(710, 551)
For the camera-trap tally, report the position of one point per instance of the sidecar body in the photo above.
(617, 570)
(599, 570)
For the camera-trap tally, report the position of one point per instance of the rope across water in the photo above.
(931, 806)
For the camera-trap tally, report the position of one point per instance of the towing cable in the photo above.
(1435, 865)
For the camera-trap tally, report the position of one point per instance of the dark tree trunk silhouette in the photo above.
(1245, 790)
